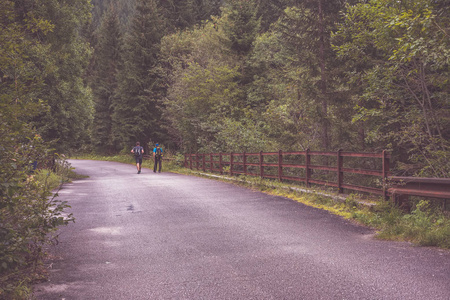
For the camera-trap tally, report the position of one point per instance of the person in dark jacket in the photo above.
(138, 153)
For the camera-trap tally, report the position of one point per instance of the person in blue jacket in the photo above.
(157, 155)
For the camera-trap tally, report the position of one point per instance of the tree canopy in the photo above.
(209, 75)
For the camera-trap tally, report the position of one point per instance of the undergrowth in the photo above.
(30, 214)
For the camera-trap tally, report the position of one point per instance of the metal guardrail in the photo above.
(402, 187)
(215, 162)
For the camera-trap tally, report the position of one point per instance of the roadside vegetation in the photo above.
(30, 214)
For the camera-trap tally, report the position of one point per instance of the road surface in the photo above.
(170, 236)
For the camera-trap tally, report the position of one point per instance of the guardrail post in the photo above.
(203, 162)
(185, 160)
(220, 163)
(197, 160)
(385, 163)
(231, 164)
(190, 161)
(340, 174)
(244, 161)
(280, 165)
(308, 170)
(261, 167)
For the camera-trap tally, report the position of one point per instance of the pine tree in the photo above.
(136, 112)
(181, 14)
(306, 29)
(242, 26)
(104, 82)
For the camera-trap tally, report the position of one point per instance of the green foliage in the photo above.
(182, 14)
(61, 59)
(106, 66)
(28, 211)
(426, 226)
(125, 10)
(397, 56)
(29, 214)
(242, 24)
(294, 87)
(136, 113)
(202, 83)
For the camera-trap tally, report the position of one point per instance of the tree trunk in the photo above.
(323, 78)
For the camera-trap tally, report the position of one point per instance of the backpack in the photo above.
(137, 151)
(158, 153)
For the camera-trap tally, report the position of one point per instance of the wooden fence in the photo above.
(327, 169)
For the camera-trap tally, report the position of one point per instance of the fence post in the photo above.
(185, 160)
(261, 167)
(190, 161)
(244, 160)
(220, 163)
(340, 174)
(231, 164)
(308, 171)
(203, 162)
(280, 165)
(197, 161)
(211, 162)
(385, 162)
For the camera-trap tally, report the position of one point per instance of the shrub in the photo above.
(29, 213)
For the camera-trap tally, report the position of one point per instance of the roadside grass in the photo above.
(425, 225)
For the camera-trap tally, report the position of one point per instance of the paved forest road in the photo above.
(169, 236)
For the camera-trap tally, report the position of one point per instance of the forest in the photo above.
(238, 75)
(199, 76)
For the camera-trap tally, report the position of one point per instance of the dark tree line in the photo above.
(211, 75)
(264, 75)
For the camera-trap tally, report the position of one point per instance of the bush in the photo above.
(29, 214)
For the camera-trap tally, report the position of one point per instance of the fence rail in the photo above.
(284, 166)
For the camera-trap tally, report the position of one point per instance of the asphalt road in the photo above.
(169, 236)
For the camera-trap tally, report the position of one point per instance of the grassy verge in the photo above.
(426, 225)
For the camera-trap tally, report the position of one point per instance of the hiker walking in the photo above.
(157, 155)
(138, 152)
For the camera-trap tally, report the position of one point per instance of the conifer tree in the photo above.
(136, 112)
(181, 14)
(242, 26)
(306, 29)
(104, 83)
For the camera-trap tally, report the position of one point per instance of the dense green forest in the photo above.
(237, 75)
(240, 75)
